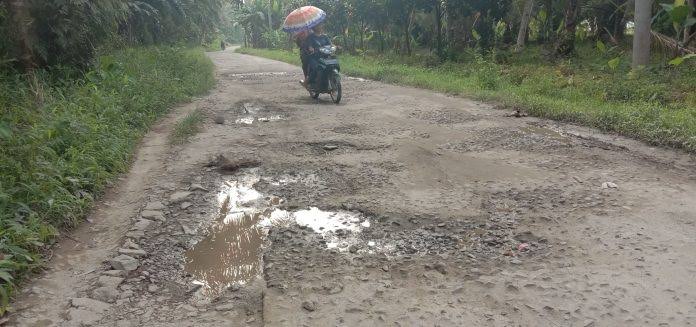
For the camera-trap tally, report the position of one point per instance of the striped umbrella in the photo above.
(303, 19)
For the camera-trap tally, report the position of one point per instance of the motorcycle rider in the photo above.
(310, 47)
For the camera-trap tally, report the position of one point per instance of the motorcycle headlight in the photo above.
(328, 50)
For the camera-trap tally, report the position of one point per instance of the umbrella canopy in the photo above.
(303, 19)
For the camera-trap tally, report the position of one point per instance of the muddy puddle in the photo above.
(253, 113)
(231, 253)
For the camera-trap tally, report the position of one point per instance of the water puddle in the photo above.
(252, 110)
(251, 120)
(232, 251)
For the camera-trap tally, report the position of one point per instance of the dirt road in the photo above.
(398, 207)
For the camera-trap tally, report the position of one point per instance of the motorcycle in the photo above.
(328, 77)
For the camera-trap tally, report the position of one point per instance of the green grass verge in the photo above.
(65, 135)
(187, 127)
(655, 105)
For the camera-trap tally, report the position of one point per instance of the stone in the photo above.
(136, 253)
(607, 185)
(353, 249)
(124, 262)
(82, 317)
(185, 205)
(142, 225)
(197, 187)
(219, 119)
(109, 281)
(152, 288)
(105, 294)
(439, 267)
(152, 215)
(309, 305)
(155, 206)
(179, 197)
(330, 147)
(89, 304)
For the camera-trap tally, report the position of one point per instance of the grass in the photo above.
(656, 105)
(187, 127)
(65, 135)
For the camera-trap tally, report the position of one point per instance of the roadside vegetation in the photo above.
(80, 84)
(621, 66)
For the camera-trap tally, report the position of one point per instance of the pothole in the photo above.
(546, 133)
(231, 253)
(256, 112)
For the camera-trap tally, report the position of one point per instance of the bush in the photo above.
(63, 139)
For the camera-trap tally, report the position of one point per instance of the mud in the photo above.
(398, 207)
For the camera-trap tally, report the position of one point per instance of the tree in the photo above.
(641, 35)
(524, 23)
(20, 19)
(565, 46)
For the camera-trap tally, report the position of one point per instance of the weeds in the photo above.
(65, 135)
(657, 106)
(187, 127)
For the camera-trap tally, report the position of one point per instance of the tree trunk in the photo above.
(524, 24)
(566, 41)
(381, 40)
(687, 30)
(438, 28)
(619, 22)
(641, 36)
(546, 28)
(21, 19)
(270, 15)
(362, 36)
(407, 32)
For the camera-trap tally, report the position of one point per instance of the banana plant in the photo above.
(680, 14)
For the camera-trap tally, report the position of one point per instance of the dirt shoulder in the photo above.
(399, 206)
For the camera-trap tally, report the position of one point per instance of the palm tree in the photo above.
(641, 35)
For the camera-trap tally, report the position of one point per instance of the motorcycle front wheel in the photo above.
(336, 91)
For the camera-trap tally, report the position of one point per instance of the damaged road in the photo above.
(398, 207)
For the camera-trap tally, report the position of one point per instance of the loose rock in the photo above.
(152, 215)
(607, 185)
(155, 206)
(124, 262)
(309, 305)
(142, 225)
(105, 294)
(109, 281)
(82, 317)
(179, 197)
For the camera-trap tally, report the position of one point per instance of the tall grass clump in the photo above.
(187, 127)
(64, 135)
